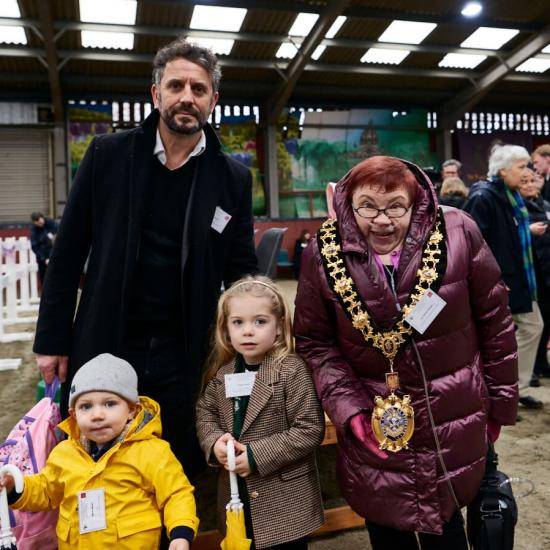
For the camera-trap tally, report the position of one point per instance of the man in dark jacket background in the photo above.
(166, 219)
(43, 232)
(500, 213)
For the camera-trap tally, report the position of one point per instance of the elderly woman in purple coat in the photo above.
(403, 320)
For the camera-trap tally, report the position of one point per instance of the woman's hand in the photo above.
(362, 430)
(220, 448)
(179, 544)
(7, 482)
(538, 228)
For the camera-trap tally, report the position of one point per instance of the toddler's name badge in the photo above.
(220, 220)
(425, 311)
(240, 384)
(91, 510)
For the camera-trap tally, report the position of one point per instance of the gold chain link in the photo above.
(388, 342)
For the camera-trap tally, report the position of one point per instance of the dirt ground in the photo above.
(523, 450)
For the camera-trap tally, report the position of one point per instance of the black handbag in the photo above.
(493, 514)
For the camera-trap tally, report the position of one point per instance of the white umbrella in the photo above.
(7, 540)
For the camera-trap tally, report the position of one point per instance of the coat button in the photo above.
(254, 494)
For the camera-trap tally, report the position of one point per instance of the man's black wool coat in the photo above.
(102, 218)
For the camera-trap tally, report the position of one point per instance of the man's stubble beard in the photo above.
(169, 118)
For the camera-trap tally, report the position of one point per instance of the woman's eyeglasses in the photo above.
(391, 212)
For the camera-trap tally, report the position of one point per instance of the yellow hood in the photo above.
(146, 423)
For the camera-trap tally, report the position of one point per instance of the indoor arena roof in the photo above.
(306, 52)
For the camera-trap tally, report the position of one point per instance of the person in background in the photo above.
(541, 163)
(43, 232)
(450, 169)
(539, 216)
(499, 210)
(301, 243)
(453, 193)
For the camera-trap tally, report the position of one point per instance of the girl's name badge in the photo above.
(425, 311)
(91, 510)
(240, 384)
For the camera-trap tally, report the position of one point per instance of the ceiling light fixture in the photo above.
(489, 38)
(303, 24)
(383, 55)
(9, 8)
(214, 18)
(407, 32)
(472, 9)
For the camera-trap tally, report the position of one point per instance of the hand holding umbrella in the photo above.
(7, 539)
(235, 537)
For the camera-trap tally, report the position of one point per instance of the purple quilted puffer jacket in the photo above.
(468, 354)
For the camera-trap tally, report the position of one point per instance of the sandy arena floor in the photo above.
(523, 449)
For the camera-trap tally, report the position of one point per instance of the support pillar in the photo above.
(444, 144)
(271, 170)
(60, 169)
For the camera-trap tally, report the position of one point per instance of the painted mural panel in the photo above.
(86, 122)
(332, 142)
(238, 137)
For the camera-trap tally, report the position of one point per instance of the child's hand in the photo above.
(7, 481)
(220, 448)
(179, 544)
(242, 467)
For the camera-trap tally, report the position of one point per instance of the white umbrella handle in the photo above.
(235, 500)
(5, 530)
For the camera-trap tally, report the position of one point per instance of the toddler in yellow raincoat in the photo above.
(114, 480)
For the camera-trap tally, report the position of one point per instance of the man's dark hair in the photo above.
(35, 216)
(182, 49)
(542, 150)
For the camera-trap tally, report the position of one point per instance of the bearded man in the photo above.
(165, 218)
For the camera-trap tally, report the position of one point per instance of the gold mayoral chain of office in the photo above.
(392, 417)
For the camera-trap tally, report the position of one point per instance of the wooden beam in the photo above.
(303, 56)
(46, 26)
(469, 97)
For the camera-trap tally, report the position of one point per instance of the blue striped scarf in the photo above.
(522, 218)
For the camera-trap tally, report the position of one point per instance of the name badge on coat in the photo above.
(220, 220)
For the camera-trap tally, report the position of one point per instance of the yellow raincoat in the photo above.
(143, 482)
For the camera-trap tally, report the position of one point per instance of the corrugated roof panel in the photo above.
(274, 22)
(254, 50)
(168, 15)
(368, 29)
(21, 65)
(342, 55)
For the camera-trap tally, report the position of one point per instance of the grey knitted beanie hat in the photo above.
(105, 373)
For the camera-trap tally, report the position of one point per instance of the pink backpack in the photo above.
(27, 447)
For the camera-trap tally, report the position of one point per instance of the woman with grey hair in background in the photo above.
(499, 210)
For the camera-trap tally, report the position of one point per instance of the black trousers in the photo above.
(42, 266)
(452, 538)
(163, 376)
(541, 361)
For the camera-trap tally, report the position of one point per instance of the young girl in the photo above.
(261, 395)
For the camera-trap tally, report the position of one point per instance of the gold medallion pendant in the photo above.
(393, 418)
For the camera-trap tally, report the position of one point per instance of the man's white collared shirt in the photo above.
(160, 153)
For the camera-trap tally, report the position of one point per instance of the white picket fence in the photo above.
(19, 285)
